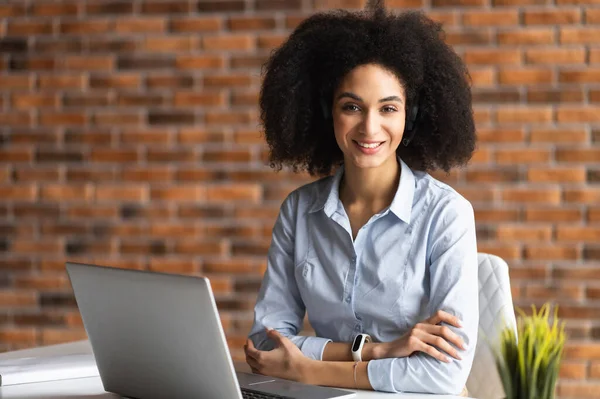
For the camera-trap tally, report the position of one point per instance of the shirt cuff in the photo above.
(381, 374)
(313, 347)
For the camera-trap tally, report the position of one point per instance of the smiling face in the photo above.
(369, 116)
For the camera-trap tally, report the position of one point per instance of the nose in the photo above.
(370, 123)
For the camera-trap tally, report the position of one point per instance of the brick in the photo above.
(61, 192)
(13, 45)
(578, 155)
(595, 369)
(166, 7)
(591, 253)
(576, 273)
(18, 192)
(495, 96)
(522, 156)
(568, 35)
(35, 174)
(523, 233)
(141, 25)
(55, 9)
(181, 193)
(200, 248)
(592, 15)
(492, 57)
(86, 27)
(13, 264)
(251, 23)
(173, 230)
(113, 7)
(544, 96)
(589, 75)
(12, 10)
(531, 195)
(29, 27)
(26, 247)
(201, 211)
(168, 44)
(203, 98)
(555, 215)
(43, 282)
(64, 81)
(115, 81)
(492, 175)
(556, 175)
(19, 335)
(85, 174)
(278, 5)
(89, 63)
(162, 117)
(117, 118)
(524, 76)
(170, 265)
(196, 24)
(238, 192)
(37, 319)
(510, 252)
(228, 43)
(14, 81)
(36, 63)
(549, 292)
(92, 136)
(112, 44)
(62, 118)
(580, 234)
(496, 215)
(180, 80)
(221, 6)
(54, 228)
(226, 156)
(146, 212)
(270, 41)
(582, 196)
(227, 81)
(142, 136)
(457, 3)
(147, 174)
(36, 210)
(520, 3)
(129, 192)
(558, 135)
(529, 36)
(171, 155)
(121, 229)
(16, 119)
(230, 118)
(30, 100)
(552, 17)
(593, 176)
(500, 17)
(245, 98)
(555, 56)
(194, 174)
(507, 114)
(529, 273)
(550, 252)
(594, 215)
(114, 155)
(577, 2)
(88, 99)
(127, 62)
(95, 211)
(33, 136)
(185, 62)
(55, 336)
(247, 61)
(59, 155)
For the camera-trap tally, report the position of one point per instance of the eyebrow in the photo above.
(357, 98)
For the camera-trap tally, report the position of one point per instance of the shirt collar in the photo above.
(401, 205)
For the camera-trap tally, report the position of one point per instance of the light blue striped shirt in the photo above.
(415, 257)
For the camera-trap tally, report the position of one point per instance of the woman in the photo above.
(380, 249)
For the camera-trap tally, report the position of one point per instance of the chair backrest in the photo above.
(496, 311)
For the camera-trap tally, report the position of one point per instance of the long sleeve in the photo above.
(279, 304)
(452, 250)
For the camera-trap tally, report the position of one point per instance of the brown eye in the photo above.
(350, 107)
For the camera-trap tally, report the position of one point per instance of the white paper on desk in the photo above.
(47, 368)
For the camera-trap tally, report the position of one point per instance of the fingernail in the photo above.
(460, 323)
(465, 346)
(446, 359)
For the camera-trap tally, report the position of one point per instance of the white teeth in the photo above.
(365, 145)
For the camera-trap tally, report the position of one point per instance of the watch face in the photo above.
(356, 343)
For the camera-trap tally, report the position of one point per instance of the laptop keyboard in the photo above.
(250, 394)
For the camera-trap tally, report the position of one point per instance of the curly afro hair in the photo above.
(310, 65)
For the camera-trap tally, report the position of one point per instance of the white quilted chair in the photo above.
(495, 311)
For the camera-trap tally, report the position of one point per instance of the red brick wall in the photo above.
(129, 137)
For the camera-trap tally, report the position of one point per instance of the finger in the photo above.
(253, 363)
(255, 371)
(446, 333)
(440, 343)
(431, 351)
(275, 336)
(252, 351)
(442, 316)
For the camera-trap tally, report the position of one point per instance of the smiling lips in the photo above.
(368, 147)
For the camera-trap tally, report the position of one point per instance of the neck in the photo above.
(373, 187)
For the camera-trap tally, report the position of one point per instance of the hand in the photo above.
(285, 361)
(425, 337)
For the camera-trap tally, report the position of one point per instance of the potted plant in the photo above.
(528, 361)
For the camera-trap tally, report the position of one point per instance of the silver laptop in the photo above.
(159, 336)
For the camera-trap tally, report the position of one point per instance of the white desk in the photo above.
(91, 388)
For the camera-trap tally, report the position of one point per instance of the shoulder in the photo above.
(309, 196)
(441, 198)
